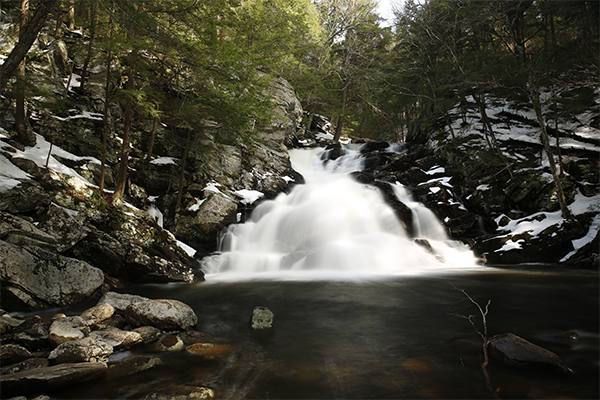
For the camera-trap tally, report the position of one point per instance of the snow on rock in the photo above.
(249, 196)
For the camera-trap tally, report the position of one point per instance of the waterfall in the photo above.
(333, 225)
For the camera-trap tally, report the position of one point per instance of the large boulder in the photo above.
(33, 278)
(20, 232)
(167, 315)
(200, 228)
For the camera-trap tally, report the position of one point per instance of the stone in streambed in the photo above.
(120, 301)
(99, 312)
(49, 378)
(168, 315)
(131, 366)
(515, 349)
(13, 353)
(209, 351)
(117, 338)
(182, 392)
(262, 318)
(67, 328)
(88, 349)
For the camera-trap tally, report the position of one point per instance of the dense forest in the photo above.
(186, 62)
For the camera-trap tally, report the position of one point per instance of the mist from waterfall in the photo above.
(333, 227)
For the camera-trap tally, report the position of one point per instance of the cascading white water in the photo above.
(332, 225)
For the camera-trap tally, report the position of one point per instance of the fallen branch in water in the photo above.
(483, 333)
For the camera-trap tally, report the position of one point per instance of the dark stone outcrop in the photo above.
(516, 350)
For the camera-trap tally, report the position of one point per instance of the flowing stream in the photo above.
(361, 311)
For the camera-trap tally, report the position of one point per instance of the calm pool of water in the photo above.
(395, 338)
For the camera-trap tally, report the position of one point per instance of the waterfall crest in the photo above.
(334, 225)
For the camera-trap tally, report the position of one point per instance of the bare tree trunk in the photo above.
(72, 15)
(105, 123)
(152, 136)
(23, 134)
(59, 21)
(341, 119)
(128, 118)
(86, 63)
(534, 97)
(26, 38)
(188, 141)
(488, 128)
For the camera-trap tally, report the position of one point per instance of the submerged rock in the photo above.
(515, 349)
(182, 392)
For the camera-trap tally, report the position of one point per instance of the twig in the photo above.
(483, 334)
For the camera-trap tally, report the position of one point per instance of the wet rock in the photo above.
(209, 351)
(99, 312)
(262, 318)
(30, 363)
(192, 337)
(168, 343)
(515, 349)
(88, 349)
(49, 378)
(120, 301)
(33, 332)
(148, 333)
(13, 353)
(164, 314)
(131, 366)
(67, 328)
(117, 338)
(7, 323)
(182, 392)
(33, 278)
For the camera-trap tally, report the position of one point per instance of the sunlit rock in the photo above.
(164, 314)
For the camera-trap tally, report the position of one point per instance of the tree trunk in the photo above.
(128, 118)
(29, 34)
(59, 21)
(23, 134)
(188, 141)
(341, 119)
(105, 123)
(72, 15)
(488, 128)
(534, 97)
(86, 62)
(152, 136)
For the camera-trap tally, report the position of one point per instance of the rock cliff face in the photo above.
(57, 230)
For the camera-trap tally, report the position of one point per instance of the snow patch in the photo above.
(249, 196)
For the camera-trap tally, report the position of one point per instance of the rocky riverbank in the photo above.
(43, 354)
